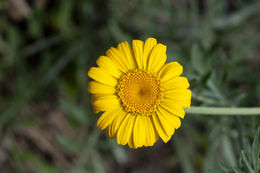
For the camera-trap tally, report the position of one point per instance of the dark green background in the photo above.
(47, 46)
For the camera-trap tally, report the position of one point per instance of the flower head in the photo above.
(141, 97)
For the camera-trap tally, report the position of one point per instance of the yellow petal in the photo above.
(159, 128)
(178, 94)
(125, 129)
(166, 125)
(131, 141)
(106, 103)
(180, 97)
(157, 58)
(107, 118)
(138, 47)
(179, 102)
(170, 70)
(172, 108)
(148, 46)
(113, 128)
(101, 76)
(176, 83)
(154, 136)
(172, 119)
(94, 97)
(151, 136)
(118, 58)
(147, 135)
(109, 66)
(139, 131)
(126, 49)
(98, 88)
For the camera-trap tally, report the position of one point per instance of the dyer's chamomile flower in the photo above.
(141, 97)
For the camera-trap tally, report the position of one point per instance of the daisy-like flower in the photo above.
(141, 97)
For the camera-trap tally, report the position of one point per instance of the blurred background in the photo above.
(47, 46)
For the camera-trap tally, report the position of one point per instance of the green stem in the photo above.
(223, 110)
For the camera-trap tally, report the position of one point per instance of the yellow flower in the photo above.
(141, 97)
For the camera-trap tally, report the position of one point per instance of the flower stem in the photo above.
(223, 110)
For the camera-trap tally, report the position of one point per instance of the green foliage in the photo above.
(45, 56)
(248, 161)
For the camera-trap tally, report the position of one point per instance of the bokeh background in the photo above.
(47, 46)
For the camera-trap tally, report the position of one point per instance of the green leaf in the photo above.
(68, 144)
(205, 78)
(64, 17)
(75, 112)
(33, 160)
(2, 5)
(183, 155)
(246, 161)
(197, 59)
(256, 151)
(238, 17)
(228, 151)
(237, 170)
(119, 153)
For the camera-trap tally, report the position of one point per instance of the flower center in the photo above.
(139, 92)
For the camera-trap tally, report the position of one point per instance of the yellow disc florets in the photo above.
(139, 92)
